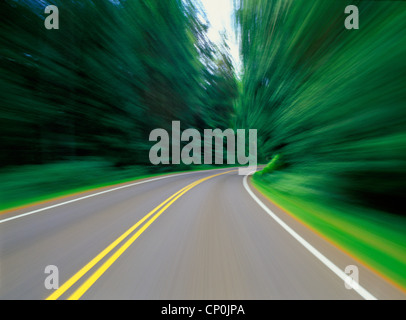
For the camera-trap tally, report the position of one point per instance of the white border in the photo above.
(341, 274)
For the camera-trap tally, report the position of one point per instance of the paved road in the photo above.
(212, 242)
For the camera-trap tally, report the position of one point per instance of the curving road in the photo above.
(200, 235)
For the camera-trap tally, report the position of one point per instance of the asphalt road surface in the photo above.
(201, 235)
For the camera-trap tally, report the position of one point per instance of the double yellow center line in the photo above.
(153, 215)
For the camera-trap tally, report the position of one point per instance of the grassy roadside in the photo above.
(27, 185)
(376, 238)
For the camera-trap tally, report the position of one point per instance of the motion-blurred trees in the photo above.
(330, 101)
(113, 71)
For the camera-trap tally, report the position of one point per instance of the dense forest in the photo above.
(97, 86)
(328, 103)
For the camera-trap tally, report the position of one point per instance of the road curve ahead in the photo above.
(197, 235)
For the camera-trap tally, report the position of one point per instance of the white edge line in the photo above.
(341, 274)
(101, 192)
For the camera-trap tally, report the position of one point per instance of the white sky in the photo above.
(219, 14)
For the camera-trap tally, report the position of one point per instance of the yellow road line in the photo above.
(82, 289)
(106, 251)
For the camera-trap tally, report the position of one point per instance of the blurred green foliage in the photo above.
(330, 101)
(77, 104)
(275, 164)
(114, 71)
(32, 183)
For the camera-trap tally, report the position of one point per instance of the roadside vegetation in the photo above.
(330, 108)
